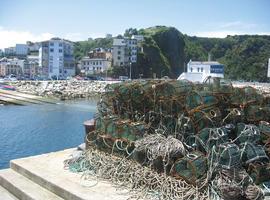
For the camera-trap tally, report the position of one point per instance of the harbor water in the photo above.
(37, 129)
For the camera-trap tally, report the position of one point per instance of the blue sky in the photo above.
(22, 20)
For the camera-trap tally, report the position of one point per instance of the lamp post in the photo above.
(162, 73)
(130, 70)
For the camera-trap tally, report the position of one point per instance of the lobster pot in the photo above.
(196, 98)
(121, 129)
(106, 125)
(264, 129)
(251, 153)
(248, 133)
(133, 131)
(256, 113)
(237, 97)
(259, 172)
(191, 167)
(227, 155)
(213, 136)
(251, 95)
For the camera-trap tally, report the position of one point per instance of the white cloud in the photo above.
(11, 37)
(238, 25)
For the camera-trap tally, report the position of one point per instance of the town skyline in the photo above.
(94, 19)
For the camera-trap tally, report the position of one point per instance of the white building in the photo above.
(56, 58)
(124, 51)
(94, 65)
(96, 62)
(21, 49)
(198, 71)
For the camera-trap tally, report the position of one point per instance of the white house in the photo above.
(198, 71)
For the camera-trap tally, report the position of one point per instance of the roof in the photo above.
(92, 59)
(204, 63)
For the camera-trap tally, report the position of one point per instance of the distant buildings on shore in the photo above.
(54, 58)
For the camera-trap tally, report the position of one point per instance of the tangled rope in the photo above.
(142, 182)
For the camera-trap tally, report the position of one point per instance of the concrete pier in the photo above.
(43, 177)
(18, 98)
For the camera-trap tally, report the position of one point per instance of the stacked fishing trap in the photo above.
(211, 138)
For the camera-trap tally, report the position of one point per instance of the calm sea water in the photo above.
(37, 129)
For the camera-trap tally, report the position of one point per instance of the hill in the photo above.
(166, 51)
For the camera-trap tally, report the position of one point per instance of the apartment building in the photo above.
(11, 66)
(97, 61)
(125, 50)
(56, 58)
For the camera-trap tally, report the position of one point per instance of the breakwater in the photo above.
(64, 90)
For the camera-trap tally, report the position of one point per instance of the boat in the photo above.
(7, 87)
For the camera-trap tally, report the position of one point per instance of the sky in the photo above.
(37, 20)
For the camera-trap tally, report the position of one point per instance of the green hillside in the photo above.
(166, 51)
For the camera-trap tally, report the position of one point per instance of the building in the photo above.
(97, 61)
(198, 71)
(31, 67)
(139, 38)
(124, 51)
(10, 51)
(11, 66)
(33, 47)
(108, 35)
(56, 58)
(118, 52)
(21, 49)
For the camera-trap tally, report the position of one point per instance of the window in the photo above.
(198, 69)
(97, 63)
(119, 52)
(118, 57)
(191, 69)
(94, 68)
(94, 63)
(51, 50)
(87, 63)
(60, 50)
(201, 69)
(51, 44)
(100, 62)
(60, 44)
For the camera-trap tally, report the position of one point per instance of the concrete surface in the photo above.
(6, 195)
(23, 188)
(48, 171)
